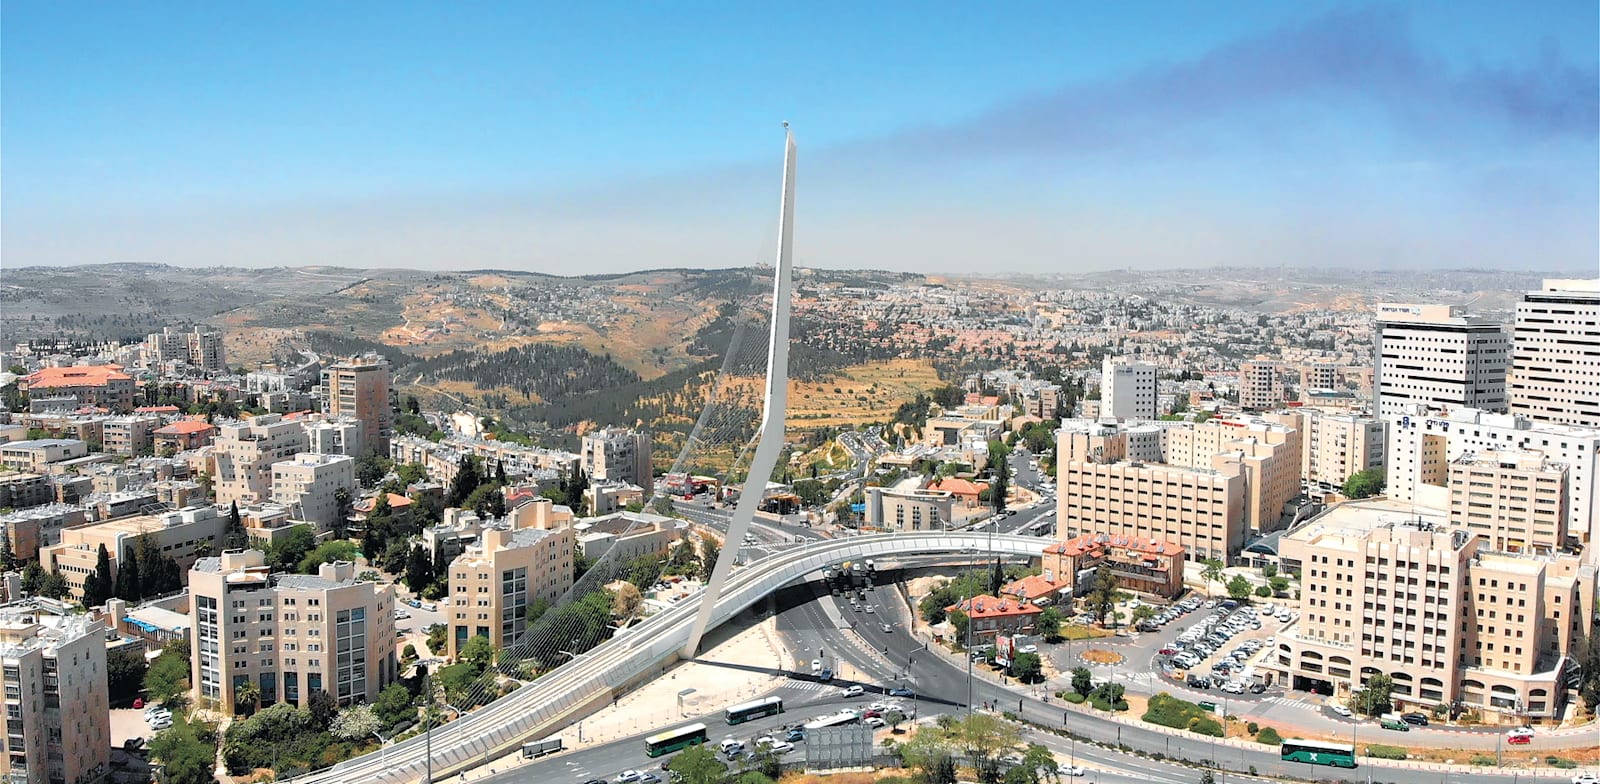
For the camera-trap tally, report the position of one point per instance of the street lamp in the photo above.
(383, 753)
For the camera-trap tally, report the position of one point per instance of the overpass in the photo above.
(639, 653)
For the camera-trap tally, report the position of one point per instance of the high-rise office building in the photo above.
(1127, 389)
(1436, 355)
(359, 387)
(1555, 354)
(290, 634)
(57, 725)
(1260, 384)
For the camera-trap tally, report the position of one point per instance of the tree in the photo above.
(625, 600)
(331, 551)
(1211, 569)
(1039, 759)
(574, 489)
(478, 652)
(394, 704)
(466, 479)
(54, 585)
(982, 737)
(124, 675)
(1263, 591)
(234, 536)
(486, 500)
(1373, 699)
(960, 623)
(1102, 596)
(1027, 667)
(1269, 570)
(1082, 681)
(709, 552)
(168, 676)
(1364, 484)
(322, 707)
(98, 586)
(158, 572)
(343, 498)
(247, 695)
(8, 558)
(356, 722)
(32, 577)
(187, 758)
(1587, 652)
(894, 719)
(996, 579)
(698, 765)
(1049, 624)
(1143, 612)
(1239, 588)
(419, 568)
(1002, 475)
(127, 583)
(286, 554)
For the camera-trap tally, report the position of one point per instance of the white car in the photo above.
(1341, 710)
(629, 775)
(1520, 732)
(1071, 770)
(161, 722)
(1233, 687)
(1586, 778)
(854, 691)
(872, 721)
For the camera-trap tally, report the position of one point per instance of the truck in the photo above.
(539, 748)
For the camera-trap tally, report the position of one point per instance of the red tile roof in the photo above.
(395, 502)
(959, 486)
(1090, 542)
(1032, 587)
(156, 410)
(186, 427)
(985, 606)
(76, 376)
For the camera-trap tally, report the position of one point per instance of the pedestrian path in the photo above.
(808, 686)
(1294, 703)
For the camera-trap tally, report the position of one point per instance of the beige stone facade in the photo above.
(909, 509)
(1260, 384)
(309, 484)
(185, 536)
(243, 454)
(1200, 510)
(493, 582)
(53, 669)
(359, 387)
(290, 634)
(1515, 500)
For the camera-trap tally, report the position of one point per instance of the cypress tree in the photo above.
(128, 582)
(97, 587)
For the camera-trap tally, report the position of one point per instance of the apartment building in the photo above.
(1127, 389)
(630, 534)
(21, 490)
(909, 508)
(1422, 444)
(339, 435)
(185, 535)
(1516, 500)
(1268, 452)
(183, 435)
(358, 387)
(493, 582)
(33, 456)
(989, 616)
(1200, 510)
(1388, 589)
(289, 634)
(1555, 354)
(1334, 445)
(198, 347)
(133, 434)
(309, 484)
(38, 527)
(1148, 566)
(601, 499)
(1436, 355)
(53, 668)
(615, 454)
(105, 386)
(1260, 384)
(243, 453)
(1319, 375)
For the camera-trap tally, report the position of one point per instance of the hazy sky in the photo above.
(600, 137)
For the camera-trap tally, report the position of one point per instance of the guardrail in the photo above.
(536, 709)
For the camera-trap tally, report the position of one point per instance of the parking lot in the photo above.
(1220, 649)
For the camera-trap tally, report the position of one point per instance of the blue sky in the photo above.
(601, 137)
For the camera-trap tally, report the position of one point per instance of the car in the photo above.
(853, 691)
(1233, 687)
(133, 744)
(1586, 778)
(826, 674)
(1394, 724)
(782, 747)
(901, 691)
(629, 776)
(870, 608)
(1071, 770)
(1199, 682)
(1520, 732)
(1167, 651)
(596, 781)
(871, 713)
(729, 744)
(401, 615)
(1341, 710)
(878, 706)
(795, 735)
(1520, 740)
(648, 778)
(1415, 719)
(161, 722)
(816, 666)
(873, 721)
(765, 740)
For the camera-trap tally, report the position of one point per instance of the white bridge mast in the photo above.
(770, 436)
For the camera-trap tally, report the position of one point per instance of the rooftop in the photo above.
(1090, 542)
(985, 606)
(186, 426)
(76, 376)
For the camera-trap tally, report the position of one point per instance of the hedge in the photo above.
(1385, 752)
(1269, 736)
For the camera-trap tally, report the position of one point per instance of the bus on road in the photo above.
(834, 720)
(755, 709)
(1317, 752)
(673, 740)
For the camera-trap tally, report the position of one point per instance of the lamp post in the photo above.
(383, 753)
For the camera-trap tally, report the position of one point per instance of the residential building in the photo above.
(105, 386)
(630, 534)
(1319, 375)
(183, 435)
(1436, 355)
(1422, 444)
(132, 434)
(1268, 452)
(1148, 566)
(909, 508)
(968, 494)
(990, 616)
(1260, 384)
(608, 497)
(53, 665)
(1127, 389)
(244, 452)
(615, 454)
(309, 484)
(33, 456)
(340, 435)
(1200, 510)
(359, 387)
(289, 634)
(185, 536)
(1388, 588)
(22, 490)
(199, 348)
(493, 582)
(1334, 445)
(1516, 500)
(31, 530)
(1555, 354)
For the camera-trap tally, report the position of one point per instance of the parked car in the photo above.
(1233, 687)
(1415, 719)
(161, 722)
(1341, 710)
(1394, 724)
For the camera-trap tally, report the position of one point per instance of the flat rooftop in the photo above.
(1367, 515)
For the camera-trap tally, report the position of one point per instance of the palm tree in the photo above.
(247, 694)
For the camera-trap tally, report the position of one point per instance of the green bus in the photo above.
(755, 709)
(1318, 752)
(673, 740)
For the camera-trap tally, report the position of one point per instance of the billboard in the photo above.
(1005, 649)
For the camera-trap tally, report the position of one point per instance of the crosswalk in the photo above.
(1294, 703)
(807, 686)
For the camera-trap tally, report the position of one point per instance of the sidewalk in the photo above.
(734, 671)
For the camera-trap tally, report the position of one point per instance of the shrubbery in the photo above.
(1385, 752)
(1169, 711)
(1269, 736)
